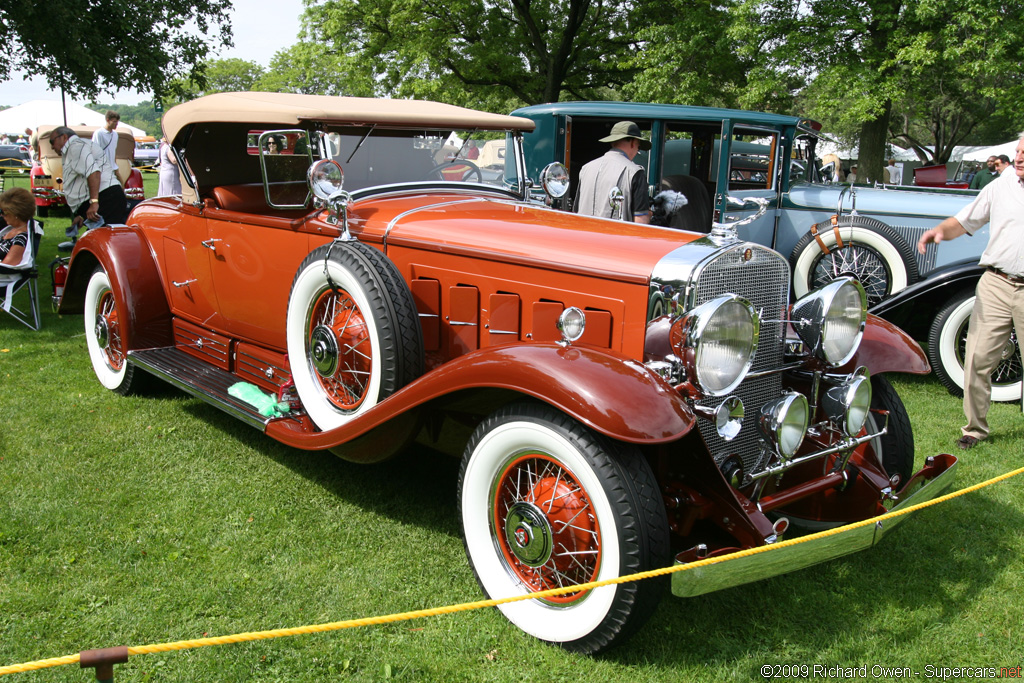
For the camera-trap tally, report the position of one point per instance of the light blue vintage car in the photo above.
(827, 229)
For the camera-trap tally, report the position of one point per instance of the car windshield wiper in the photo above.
(361, 141)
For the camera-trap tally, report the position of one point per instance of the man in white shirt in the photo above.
(851, 177)
(106, 138)
(999, 306)
(894, 173)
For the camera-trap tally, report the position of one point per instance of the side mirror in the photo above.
(325, 177)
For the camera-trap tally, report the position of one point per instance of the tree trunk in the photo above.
(871, 159)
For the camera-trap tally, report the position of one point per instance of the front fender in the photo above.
(126, 257)
(957, 276)
(887, 348)
(611, 393)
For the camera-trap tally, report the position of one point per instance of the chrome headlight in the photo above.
(717, 341)
(555, 180)
(831, 320)
(849, 403)
(783, 422)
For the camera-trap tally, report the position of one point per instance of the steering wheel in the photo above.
(467, 167)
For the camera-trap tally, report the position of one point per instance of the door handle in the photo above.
(209, 244)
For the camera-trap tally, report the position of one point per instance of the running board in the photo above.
(199, 379)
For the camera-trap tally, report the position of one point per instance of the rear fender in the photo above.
(126, 257)
(611, 393)
(887, 348)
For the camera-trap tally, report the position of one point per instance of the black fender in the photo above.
(953, 277)
(126, 256)
(611, 393)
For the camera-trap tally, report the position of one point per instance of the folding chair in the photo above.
(24, 276)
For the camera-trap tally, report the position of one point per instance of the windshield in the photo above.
(387, 157)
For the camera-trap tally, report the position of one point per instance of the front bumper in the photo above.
(776, 559)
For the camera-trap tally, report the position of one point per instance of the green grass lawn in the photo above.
(131, 521)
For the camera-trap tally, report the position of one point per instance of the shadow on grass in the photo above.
(416, 487)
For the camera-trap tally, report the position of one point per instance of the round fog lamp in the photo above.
(783, 422)
(571, 324)
(848, 404)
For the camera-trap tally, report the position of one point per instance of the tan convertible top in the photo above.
(288, 109)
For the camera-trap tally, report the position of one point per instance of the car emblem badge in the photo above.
(522, 536)
(747, 255)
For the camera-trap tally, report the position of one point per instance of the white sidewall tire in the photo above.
(805, 262)
(112, 379)
(309, 283)
(949, 339)
(547, 622)
(951, 365)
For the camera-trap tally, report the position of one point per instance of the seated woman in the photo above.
(18, 208)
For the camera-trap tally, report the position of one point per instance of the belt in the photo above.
(1015, 279)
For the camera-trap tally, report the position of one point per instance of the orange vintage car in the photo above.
(338, 274)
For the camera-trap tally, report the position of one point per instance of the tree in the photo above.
(687, 56)
(484, 53)
(310, 68)
(88, 46)
(219, 75)
(871, 63)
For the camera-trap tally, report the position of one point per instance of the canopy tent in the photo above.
(983, 153)
(41, 112)
(964, 152)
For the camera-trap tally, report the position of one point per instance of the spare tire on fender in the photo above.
(352, 330)
(862, 247)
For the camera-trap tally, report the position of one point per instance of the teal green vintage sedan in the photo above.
(825, 228)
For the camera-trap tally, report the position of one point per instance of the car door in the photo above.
(748, 165)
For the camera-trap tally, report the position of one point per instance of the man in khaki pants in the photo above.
(1000, 295)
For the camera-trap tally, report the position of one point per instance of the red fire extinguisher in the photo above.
(60, 278)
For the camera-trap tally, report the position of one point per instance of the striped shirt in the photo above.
(82, 158)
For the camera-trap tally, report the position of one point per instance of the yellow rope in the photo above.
(479, 604)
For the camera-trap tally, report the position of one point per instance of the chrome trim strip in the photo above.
(427, 207)
(784, 559)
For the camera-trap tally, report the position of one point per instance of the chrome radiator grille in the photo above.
(762, 277)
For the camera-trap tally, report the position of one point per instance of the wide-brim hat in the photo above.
(627, 129)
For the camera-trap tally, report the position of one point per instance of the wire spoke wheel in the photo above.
(547, 503)
(859, 261)
(340, 349)
(353, 333)
(546, 526)
(107, 339)
(947, 351)
(108, 332)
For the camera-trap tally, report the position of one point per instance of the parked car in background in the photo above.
(147, 152)
(937, 176)
(46, 180)
(826, 229)
(622, 397)
(15, 158)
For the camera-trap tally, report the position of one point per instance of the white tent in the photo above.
(983, 153)
(39, 112)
